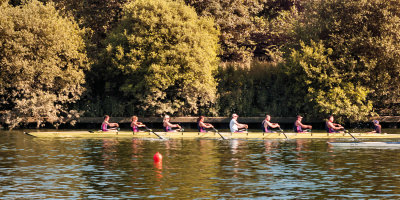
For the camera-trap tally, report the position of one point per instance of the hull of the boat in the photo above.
(227, 135)
(365, 144)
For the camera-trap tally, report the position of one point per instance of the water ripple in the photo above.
(34, 168)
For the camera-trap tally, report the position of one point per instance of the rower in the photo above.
(377, 127)
(135, 124)
(268, 126)
(237, 127)
(333, 127)
(203, 126)
(168, 126)
(299, 127)
(106, 125)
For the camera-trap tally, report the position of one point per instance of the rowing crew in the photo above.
(337, 128)
(267, 126)
(235, 126)
(167, 125)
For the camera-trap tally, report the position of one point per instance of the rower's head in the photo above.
(267, 117)
(201, 118)
(166, 118)
(106, 117)
(331, 118)
(299, 117)
(376, 122)
(234, 115)
(134, 118)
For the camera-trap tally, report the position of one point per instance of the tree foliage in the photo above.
(320, 88)
(364, 38)
(161, 57)
(282, 57)
(97, 17)
(250, 29)
(42, 62)
(250, 91)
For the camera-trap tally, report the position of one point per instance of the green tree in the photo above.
(251, 29)
(316, 87)
(250, 91)
(234, 19)
(161, 58)
(42, 62)
(364, 37)
(274, 26)
(97, 17)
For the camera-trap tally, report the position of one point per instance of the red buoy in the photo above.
(157, 157)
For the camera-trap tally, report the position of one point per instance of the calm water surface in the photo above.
(36, 168)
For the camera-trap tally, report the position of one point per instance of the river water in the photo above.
(37, 168)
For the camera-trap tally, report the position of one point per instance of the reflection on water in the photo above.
(35, 168)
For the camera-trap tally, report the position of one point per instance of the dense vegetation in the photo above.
(190, 57)
(160, 58)
(42, 60)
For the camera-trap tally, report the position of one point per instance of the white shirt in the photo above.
(233, 125)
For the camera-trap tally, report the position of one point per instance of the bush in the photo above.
(42, 62)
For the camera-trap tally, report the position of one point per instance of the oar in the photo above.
(354, 138)
(283, 132)
(219, 133)
(151, 131)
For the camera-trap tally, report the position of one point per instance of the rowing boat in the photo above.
(365, 144)
(228, 135)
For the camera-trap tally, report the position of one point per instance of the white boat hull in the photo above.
(364, 144)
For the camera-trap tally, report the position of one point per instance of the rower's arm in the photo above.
(300, 124)
(331, 125)
(205, 125)
(272, 125)
(171, 125)
(337, 125)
